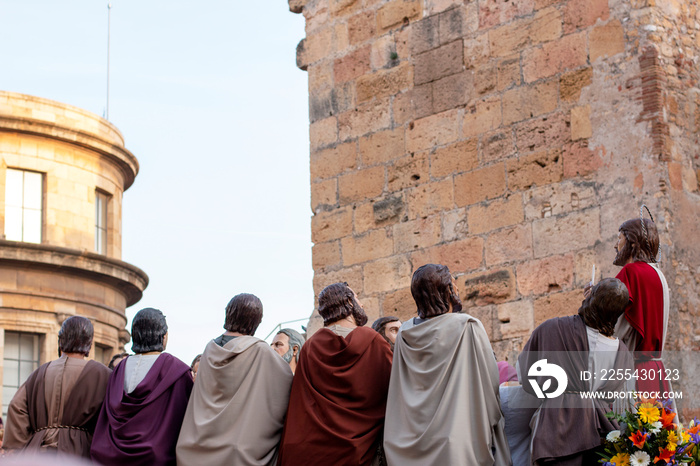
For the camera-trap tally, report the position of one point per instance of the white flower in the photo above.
(656, 427)
(613, 436)
(640, 458)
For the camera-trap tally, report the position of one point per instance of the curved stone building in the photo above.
(63, 171)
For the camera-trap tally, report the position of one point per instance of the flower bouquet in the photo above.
(648, 436)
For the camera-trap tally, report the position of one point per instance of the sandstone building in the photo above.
(508, 140)
(62, 174)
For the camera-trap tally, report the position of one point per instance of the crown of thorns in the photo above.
(644, 228)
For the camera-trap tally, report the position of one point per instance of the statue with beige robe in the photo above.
(443, 405)
(236, 410)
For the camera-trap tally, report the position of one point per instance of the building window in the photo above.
(101, 200)
(102, 354)
(23, 204)
(20, 360)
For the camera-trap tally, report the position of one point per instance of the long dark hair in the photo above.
(337, 301)
(604, 305)
(243, 314)
(433, 292)
(76, 335)
(638, 246)
(148, 330)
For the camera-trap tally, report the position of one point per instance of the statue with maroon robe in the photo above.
(145, 401)
(338, 400)
(57, 407)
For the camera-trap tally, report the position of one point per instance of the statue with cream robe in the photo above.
(236, 412)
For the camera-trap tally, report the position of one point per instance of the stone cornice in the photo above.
(128, 279)
(46, 118)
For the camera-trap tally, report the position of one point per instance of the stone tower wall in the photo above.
(506, 139)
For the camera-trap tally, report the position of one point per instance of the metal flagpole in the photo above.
(109, 24)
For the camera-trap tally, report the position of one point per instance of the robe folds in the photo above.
(57, 407)
(569, 424)
(236, 411)
(443, 406)
(141, 427)
(338, 401)
(647, 313)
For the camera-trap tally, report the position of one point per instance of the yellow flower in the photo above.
(648, 413)
(671, 446)
(672, 438)
(621, 459)
(685, 436)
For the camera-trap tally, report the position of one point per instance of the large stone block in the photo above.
(352, 275)
(490, 287)
(331, 162)
(479, 185)
(579, 15)
(435, 130)
(323, 132)
(571, 84)
(459, 256)
(408, 171)
(509, 245)
(397, 12)
(372, 245)
(482, 116)
(327, 226)
(496, 214)
(417, 234)
(361, 185)
(515, 319)
(352, 65)
(542, 133)
(388, 274)
(361, 27)
(540, 168)
(324, 193)
(364, 119)
(557, 305)
(525, 102)
(382, 147)
(325, 255)
(607, 40)
(384, 83)
(455, 158)
(581, 123)
(496, 146)
(495, 12)
(548, 275)
(559, 235)
(553, 57)
(443, 61)
(399, 303)
(430, 198)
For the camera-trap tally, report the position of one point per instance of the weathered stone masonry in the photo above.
(507, 140)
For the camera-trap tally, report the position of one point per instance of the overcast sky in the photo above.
(210, 101)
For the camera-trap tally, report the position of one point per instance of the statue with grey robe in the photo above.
(443, 405)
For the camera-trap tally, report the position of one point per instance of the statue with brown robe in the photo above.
(57, 407)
